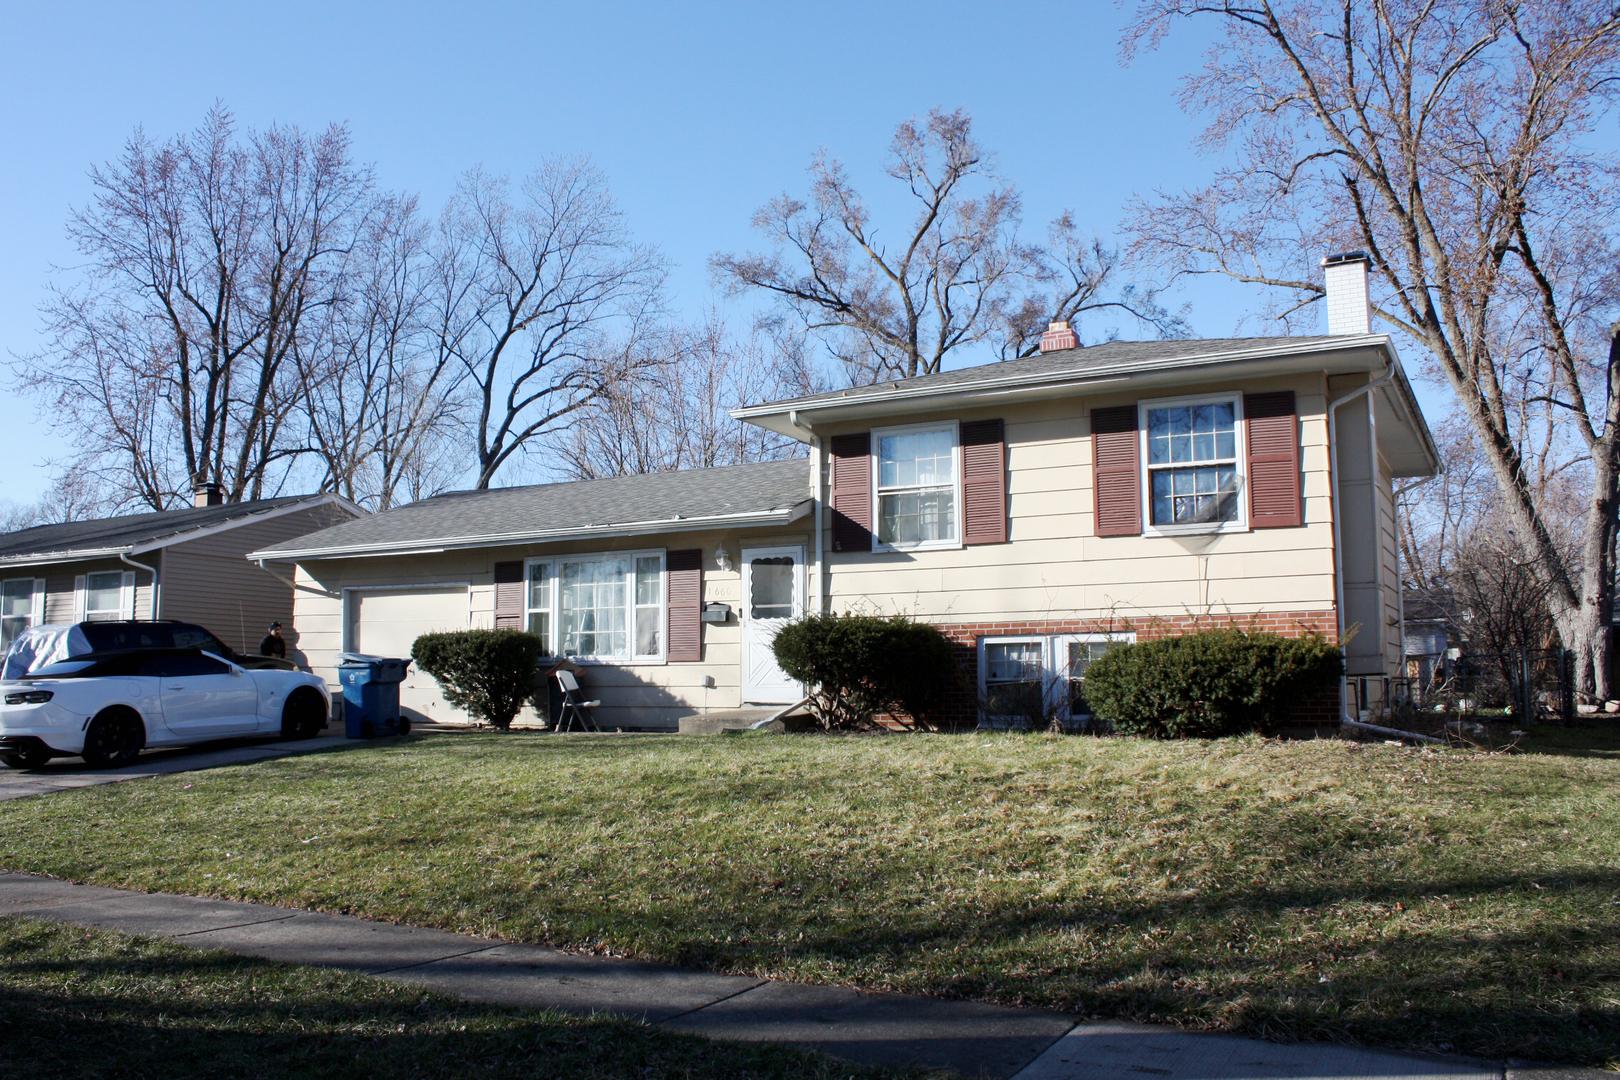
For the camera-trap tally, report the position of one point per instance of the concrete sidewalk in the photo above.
(969, 1038)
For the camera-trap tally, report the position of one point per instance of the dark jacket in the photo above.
(273, 646)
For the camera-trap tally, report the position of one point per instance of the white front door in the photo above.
(772, 597)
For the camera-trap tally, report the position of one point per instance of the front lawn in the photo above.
(86, 1004)
(1326, 890)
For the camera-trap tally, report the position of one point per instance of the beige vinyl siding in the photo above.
(639, 695)
(59, 578)
(209, 580)
(1054, 567)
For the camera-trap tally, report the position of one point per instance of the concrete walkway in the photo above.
(969, 1038)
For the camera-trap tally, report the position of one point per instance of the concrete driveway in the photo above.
(63, 773)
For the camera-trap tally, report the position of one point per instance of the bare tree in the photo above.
(1448, 140)
(677, 415)
(168, 366)
(380, 397)
(956, 276)
(543, 299)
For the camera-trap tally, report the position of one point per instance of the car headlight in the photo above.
(29, 697)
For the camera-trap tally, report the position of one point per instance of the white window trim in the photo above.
(876, 435)
(126, 596)
(554, 562)
(1241, 522)
(1054, 663)
(36, 600)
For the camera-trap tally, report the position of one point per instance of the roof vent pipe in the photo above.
(209, 494)
(1349, 310)
(1059, 336)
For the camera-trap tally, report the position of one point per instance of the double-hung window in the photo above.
(19, 607)
(918, 487)
(1038, 681)
(1193, 463)
(598, 607)
(104, 597)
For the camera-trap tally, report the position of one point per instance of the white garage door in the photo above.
(386, 622)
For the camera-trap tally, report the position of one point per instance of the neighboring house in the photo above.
(173, 564)
(1036, 510)
(1431, 630)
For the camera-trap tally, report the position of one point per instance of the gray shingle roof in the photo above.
(1108, 355)
(81, 539)
(667, 500)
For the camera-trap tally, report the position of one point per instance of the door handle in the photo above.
(174, 688)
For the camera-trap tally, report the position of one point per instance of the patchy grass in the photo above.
(1423, 899)
(87, 1004)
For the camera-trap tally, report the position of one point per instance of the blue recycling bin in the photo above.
(371, 695)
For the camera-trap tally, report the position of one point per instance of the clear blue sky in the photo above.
(697, 113)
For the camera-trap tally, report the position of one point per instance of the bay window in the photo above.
(917, 487)
(598, 607)
(1192, 462)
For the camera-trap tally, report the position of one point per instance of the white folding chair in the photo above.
(573, 710)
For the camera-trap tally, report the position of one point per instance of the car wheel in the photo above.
(115, 738)
(25, 759)
(304, 715)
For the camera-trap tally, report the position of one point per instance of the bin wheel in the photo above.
(367, 729)
(404, 725)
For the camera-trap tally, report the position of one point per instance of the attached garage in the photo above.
(386, 622)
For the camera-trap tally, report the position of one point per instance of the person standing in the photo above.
(274, 644)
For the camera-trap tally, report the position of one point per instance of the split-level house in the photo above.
(1036, 510)
(184, 564)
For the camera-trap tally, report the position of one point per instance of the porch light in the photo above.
(722, 559)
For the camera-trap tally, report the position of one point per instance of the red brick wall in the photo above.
(962, 707)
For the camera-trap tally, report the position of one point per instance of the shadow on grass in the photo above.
(101, 1005)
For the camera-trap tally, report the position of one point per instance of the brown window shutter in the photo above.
(852, 492)
(1117, 484)
(684, 631)
(984, 482)
(509, 596)
(1273, 474)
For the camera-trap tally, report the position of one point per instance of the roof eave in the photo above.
(43, 558)
(776, 416)
(436, 545)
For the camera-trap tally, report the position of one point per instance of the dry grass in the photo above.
(1419, 899)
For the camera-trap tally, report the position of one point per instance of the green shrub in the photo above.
(1211, 683)
(490, 673)
(858, 665)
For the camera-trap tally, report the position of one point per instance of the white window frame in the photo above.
(1238, 524)
(1054, 665)
(36, 600)
(553, 564)
(877, 435)
(126, 597)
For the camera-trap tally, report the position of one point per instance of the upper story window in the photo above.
(1192, 463)
(598, 607)
(917, 487)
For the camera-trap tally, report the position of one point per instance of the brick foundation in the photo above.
(961, 707)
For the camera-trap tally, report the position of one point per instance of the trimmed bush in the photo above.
(490, 673)
(858, 665)
(1211, 683)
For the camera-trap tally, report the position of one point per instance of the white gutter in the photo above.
(1338, 504)
(78, 555)
(820, 606)
(157, 587)
(631, 528)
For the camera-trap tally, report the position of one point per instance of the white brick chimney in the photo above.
(1349, 310)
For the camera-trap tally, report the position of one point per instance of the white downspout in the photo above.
(1333, 468)
(157, 587)
(820, 598)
